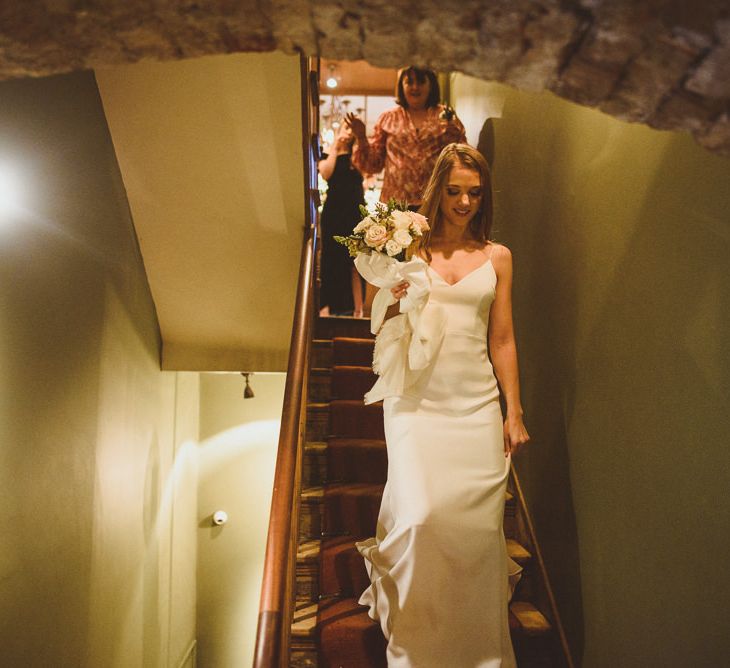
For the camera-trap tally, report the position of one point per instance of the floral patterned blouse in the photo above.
(407, 154)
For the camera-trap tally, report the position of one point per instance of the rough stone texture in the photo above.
(661, 62)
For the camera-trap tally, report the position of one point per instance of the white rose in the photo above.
(363, 225)
(401, 220)
(376, 235)
(392, 247)
(402, 238)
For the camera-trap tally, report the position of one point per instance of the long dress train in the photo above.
(438, 565)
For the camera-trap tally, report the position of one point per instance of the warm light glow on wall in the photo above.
(10, 192)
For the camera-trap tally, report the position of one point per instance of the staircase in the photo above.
(344, 470)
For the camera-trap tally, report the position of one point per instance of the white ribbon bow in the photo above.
(415, 337)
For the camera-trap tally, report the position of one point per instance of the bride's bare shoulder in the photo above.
(500, 256)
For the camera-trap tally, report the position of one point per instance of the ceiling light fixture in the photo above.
(247, 391)
(334, 77)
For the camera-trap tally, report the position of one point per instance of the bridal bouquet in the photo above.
(403, 345)
(378, 243)
(389, 229)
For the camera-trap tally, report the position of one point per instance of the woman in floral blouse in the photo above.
(408, 138)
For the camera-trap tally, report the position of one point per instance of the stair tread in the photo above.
(517, 551)
(308, 550)
(356, 442)
(305, 620)
(532, 622)
(313, 447)
(352, 368)
(312, 492)
(361, 487)
(318, 492)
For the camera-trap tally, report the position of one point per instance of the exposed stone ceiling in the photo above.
(661, 62)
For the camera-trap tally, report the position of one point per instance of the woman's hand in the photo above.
(452, 133)
(357, 126)
(515, 435)
(399, 291)
(343, 145)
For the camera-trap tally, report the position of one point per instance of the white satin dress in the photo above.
(438, 565)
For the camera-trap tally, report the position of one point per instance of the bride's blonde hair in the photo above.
(480, 225)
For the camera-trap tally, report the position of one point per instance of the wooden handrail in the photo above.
(272, 634)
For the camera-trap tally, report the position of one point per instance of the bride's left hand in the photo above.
(515, 435)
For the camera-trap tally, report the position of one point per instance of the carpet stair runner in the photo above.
(344, 470)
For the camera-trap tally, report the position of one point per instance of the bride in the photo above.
(439, 570)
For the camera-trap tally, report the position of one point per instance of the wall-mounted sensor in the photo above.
(220, 517)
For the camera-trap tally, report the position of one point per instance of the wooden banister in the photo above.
(272, 634)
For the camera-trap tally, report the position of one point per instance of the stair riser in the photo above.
(534, 652)
(329, 328)
(319, 389)
(310, 520)
(311, 524)
(318, 423)
(307, 582)
(526, 590)
(321, 355)
(347, 355)
(356, 516)
(301, 657)
(343, 572)
(357, 421)
(510, 526)
(358, 464)
(314, 469)
(351, 385)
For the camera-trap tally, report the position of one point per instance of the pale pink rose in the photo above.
(402, 238)
(419, 221)
(376, 235)
(363, 225)
(392, 247)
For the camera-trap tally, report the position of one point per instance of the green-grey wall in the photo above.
(621, 239)
(237, 455)
(97, 475)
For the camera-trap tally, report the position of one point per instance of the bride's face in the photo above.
(461, 196)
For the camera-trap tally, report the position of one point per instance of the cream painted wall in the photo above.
(97, 453)
(211, 155)
(237, 454)
(621, 236)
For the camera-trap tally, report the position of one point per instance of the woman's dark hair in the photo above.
(421, 75)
